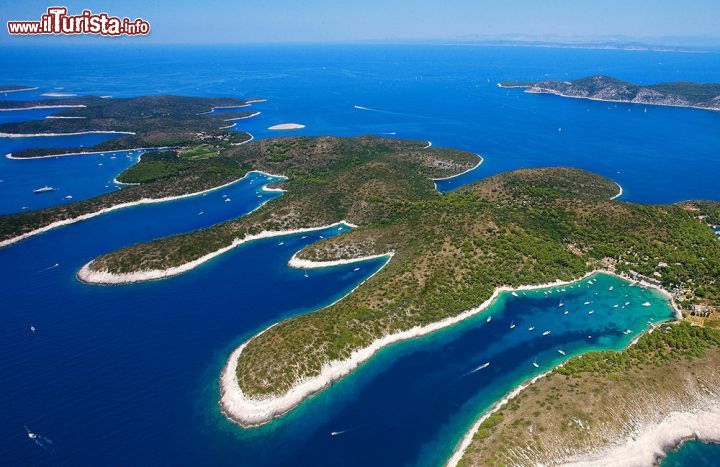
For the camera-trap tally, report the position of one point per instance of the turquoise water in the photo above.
(128, 375)
(694, 453)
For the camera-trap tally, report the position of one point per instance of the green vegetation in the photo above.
(157, 121)
(665, 343)
(599, 398)
(701, 95)
(452, 251)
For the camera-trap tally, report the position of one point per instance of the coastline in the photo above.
(616, 101)
(298, 263)
(462, 173)
(468, 437)
(652, 442)
(107, 278)
(90, 215)
(254, 411)
(111, 151)
(34, 107)
(92, 132)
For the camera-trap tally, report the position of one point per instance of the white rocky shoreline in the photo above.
(86, 274)
(90, 215)
(537, 90)
(251, 411)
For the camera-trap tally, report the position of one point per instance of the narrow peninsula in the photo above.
(605, 88)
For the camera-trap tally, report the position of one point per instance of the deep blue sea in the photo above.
(128, 375)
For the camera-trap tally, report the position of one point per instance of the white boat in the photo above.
(356, 269)
(536, 365)
(514, 294)
(489, 318)
(561, 352)
(566, 312)
(627, 331)
(616, 305)
(44, 189)
(546, 333)
(591, 312)
(281, 243)
(512, 325)
(611, 287)
(227, 200)
(561, 303)
(481, 367)
(68, 197)
(531, 328)
(586, 303)
(646, 304)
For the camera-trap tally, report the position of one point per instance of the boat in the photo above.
(531, 328)
(481, 367)
(627, 331)
(44, 189)
(281, 243)
(227, 200)
(591, 312)
(512, 325)
(561, 352)
(514, 294)
(546, 333)
(586, 303)
(611, 287)
(535, 364)
(489, 318)
(646, 304)
(68, 197)
(561, 303)
(566, 312)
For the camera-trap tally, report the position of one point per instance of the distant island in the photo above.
(605, 88)
(447, 256)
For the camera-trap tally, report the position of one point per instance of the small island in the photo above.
(605, 88)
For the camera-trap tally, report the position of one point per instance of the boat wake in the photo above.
(41, 441)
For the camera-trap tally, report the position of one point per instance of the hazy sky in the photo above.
(233, 21)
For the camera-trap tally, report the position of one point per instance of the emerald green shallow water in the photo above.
(428, 392)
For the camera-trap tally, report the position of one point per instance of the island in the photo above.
(605, 88)
(447, 256)
(144, 122)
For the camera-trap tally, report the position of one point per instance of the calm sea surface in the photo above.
(128, 375)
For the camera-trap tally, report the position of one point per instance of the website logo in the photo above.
(57, 21)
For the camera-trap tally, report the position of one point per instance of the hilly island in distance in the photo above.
(555, 237)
